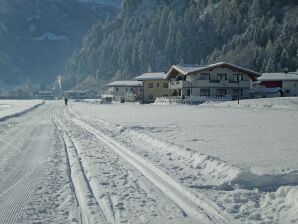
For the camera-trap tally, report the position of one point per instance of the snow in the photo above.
(48, 36)
(132, 163)
(11, 108)
(125, 83)
(279, 76)
(151, 76)
(235, 148)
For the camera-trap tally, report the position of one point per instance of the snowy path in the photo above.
(59, 166)
(193, 206)
(142, 179)
(24, 151)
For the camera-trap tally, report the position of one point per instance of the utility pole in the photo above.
(238, 79)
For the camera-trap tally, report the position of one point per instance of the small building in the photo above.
(125, 90)
(155, 85)
(78, 94)
(288, 81)
(219, 79)
(45, 95)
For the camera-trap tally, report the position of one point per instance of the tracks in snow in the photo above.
(198, 209)
(92, 208)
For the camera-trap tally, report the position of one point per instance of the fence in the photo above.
(194, 100)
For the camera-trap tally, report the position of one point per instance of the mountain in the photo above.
(115, 3)
(38, 36)
(153, 34)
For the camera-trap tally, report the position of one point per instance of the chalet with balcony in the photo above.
(219, 79)
(155, 85)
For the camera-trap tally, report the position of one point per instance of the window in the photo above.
(221, 92)
(236, 91)
(221, 76)
(237, 76)
(150, 97)
(165, 85)
(157, 85)
(205, 92)
(150, 85)
(205, 76)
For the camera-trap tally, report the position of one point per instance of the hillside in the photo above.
(152, 35)
(38, 36)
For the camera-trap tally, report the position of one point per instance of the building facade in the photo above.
(288, 82)
(125, 90)
(154, 85)
(220, 79)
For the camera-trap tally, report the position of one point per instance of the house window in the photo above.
(205, 92)
(221, 76)
(236, 91)
(237, 76)
(150, 97)
(117, 89)
(131, 89)
(157, 85)
(205, 76)
(150, 85)
(165, 85)
(221, 92)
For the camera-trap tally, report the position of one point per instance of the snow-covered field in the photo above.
(10, 108)
(130, 163)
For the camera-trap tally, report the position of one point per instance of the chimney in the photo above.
(286, 70)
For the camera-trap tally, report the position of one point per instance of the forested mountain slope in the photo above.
(38, 36)
(153, 34)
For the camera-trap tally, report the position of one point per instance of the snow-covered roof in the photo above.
(128, 83)
(188, 69)
(265, 90)
(279, 76)
(185, 69)
(151, 76)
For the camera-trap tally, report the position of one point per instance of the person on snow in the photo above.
(65, 101)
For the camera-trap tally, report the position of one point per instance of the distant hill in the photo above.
(38, 36)
(153, 34)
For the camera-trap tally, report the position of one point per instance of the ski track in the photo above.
(90, 207)
(197, 208)
(25, 169)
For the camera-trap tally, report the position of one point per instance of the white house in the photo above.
(219, 79)
(288, 81)
(154, 85)
(131, 90)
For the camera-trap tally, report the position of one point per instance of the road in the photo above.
(56, 167)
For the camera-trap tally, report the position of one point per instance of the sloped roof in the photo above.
(151, 76)
(189, 69)
(128, 83)
(279, 76)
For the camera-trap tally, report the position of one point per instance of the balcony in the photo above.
(180, 84)
(220, 83)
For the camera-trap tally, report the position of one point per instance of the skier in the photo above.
(65, 100)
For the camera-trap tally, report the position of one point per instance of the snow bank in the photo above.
(283, 202)
(14, 108)
(290, 103)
